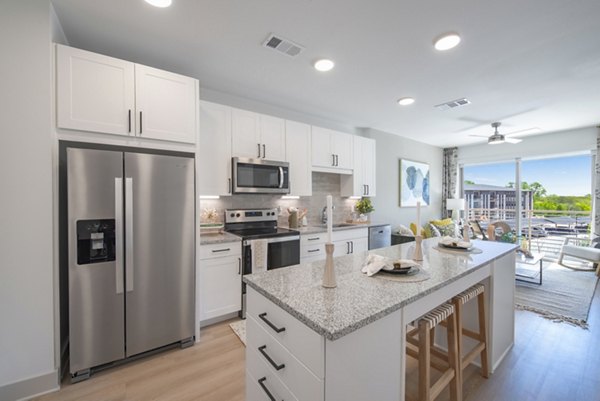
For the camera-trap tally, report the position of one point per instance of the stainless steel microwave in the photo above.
(258, 176)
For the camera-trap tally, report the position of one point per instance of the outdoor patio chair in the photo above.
(477, 230)
(587, 253)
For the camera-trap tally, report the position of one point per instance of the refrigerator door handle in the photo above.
(119, 273)
(129, 263)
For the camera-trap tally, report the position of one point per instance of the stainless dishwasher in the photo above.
(380, 236)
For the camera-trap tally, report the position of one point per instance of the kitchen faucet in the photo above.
(324, 214)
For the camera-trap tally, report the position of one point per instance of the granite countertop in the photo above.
(349, 226)
(225, 237)
(359, 300)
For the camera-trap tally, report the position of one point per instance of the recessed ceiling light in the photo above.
(159, 3)
(447, 41)
(405, 101)
(324, 65)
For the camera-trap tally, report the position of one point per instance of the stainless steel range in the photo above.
(282, 245)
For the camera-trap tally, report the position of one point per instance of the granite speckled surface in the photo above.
(359, 300)
(209, 239)
(323, 229)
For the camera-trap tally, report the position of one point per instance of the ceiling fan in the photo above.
(497, 138)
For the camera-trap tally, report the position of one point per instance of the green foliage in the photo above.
(364, 206)
(556, 202)
(469, 182)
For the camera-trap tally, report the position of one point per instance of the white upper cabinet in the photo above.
(214, 154)
(245, 138)
(165, 105)
(272, 137)
(298, 150)
(257, 136)
(362, 180)
(102, 94)
(94, 92)
(331, 151)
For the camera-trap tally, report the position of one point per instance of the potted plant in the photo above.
(364, 207)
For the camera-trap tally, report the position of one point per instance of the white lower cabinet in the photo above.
(219, 280)
(284, 358)
(346, 242)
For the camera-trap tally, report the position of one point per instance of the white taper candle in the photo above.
(418, 218)
(329, 217)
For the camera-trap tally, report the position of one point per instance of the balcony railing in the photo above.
(543, 230)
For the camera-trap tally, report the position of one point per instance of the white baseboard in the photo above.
(28, 388)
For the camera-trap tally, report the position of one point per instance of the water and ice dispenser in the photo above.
(95, 241)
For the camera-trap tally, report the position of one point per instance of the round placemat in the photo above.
(456, 252)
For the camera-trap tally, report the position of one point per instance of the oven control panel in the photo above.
(250, 215)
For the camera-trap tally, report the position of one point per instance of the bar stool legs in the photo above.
(480, 349)
(451, 374)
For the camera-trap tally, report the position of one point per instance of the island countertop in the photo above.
(359, 300)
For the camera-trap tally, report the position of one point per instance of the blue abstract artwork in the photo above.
(414, 183)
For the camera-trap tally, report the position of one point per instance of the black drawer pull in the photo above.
(314, 239)
(271, 361)
(221, 250)
(271, 325)
(313, 250)
(261, 382)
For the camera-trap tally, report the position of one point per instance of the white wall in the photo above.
(390, 149)
(553, 144)
(26, 231)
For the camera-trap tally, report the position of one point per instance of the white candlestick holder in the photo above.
(418, 254)
(329, 271)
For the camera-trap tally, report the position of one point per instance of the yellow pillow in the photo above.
(443, 222)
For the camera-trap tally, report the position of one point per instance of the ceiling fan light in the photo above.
(496, 140)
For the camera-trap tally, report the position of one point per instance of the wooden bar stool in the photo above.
(477, 291)
(422, 337)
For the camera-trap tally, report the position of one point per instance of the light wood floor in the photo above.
(549, 362)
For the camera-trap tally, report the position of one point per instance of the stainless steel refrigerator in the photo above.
(130, 253)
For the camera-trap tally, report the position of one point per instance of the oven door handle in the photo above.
(288, 238)
(280, 177)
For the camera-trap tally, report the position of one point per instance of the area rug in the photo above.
(239, 328)
(564, 296)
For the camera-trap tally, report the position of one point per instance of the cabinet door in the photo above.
(354, 185)
(272, 137)
(369, 167)
(341, 146)
(359, 245)
(298, 147)
(220, 287)
(214, 154)
(165, 105)
(321, 147)
(94, 92)
(245, 138)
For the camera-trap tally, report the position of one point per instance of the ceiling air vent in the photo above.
(452, 104)
(282, 45)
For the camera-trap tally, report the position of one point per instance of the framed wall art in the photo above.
(414, 183)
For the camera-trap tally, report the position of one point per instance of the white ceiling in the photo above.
(533, 63)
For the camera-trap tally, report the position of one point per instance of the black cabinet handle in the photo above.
(129, 121)
(258, 144)
(263, 351)
(140, 123)
(314, 238)
(239, 266)
(263, 317)
(261, 382)
(229, 185)
(221, 250)
(368, 189)
(313, 250)
(264, 151)
(351, 246)
(347, 248)
(333, 161)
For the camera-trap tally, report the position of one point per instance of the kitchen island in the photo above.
(307, 342)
